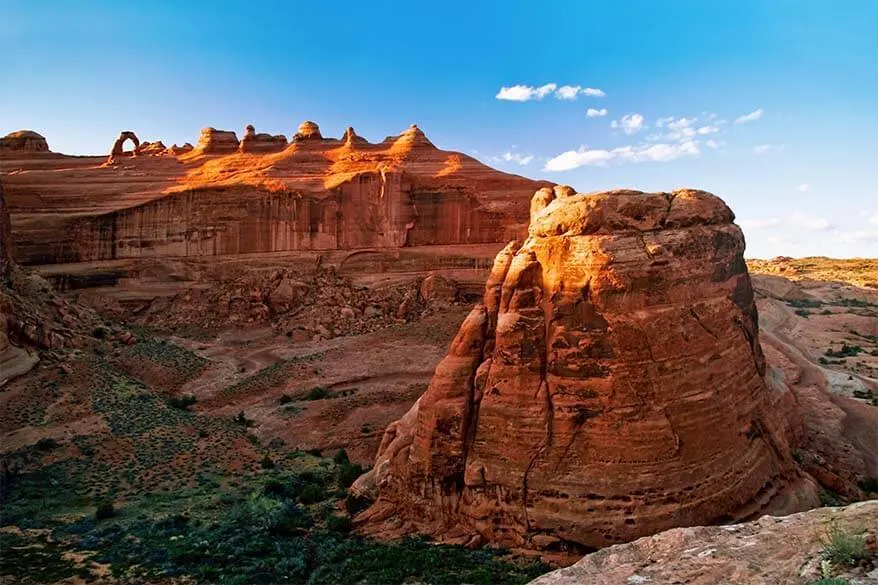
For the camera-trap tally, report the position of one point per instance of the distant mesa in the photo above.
(24, 141)
(307, 131)
(213, 141)
(260, 143)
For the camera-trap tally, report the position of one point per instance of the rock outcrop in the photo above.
(609, 386)
(785, 550)
(213, 141)
(313, 194)
(253, 142)
(308, 130)
(24, 141)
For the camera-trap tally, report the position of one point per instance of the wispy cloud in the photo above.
(515, 157)
(758, 224)
(593, 113)
(567, 92)
(751, 117)
(804, 187)
(629, 124)
(573, 159)
(714, 144)
(524, 93)
(811, 222)
(763, 148)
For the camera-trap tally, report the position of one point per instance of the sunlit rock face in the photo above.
(610, 385)
(261, 194)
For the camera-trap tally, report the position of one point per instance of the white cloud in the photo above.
(681, 123)
(515, 157)
(593, 113)
(804, 187)
(751, 117)
(811, 222)
(874, 219)
(630, 123)
(567, 92)
(763, 148)
(707, 130)
(714, 144)
(573, 159)
(523, 93)
(858, 237)
(758, 224)
(662, 121)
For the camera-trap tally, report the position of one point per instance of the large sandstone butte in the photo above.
(609, 386)
(260, 195)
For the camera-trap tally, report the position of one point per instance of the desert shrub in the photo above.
(285, 399)
(182, 402)
(47, 444)
(845, 351)
(266, 462)
(242, 420)
(99, 333)
(317, 393)
(366, 429)
(340, 457)
(312, 493)
(802, 313)
(804, 303)
(337, 523)
(829, 498)
(831, 581)
(843, 548)
(104, 509)
(348, 474)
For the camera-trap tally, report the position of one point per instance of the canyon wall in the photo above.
(314, 194)
(609, 386)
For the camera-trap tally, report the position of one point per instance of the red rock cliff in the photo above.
(609, 386)
(314, 193)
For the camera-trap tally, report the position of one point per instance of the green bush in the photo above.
(266, 462)
(831, 581)
(336, 523)
(312, 493)
(285, 399)
(348, 474)
(317, 393)
(104, 509)
(182, 402)
(843, 548)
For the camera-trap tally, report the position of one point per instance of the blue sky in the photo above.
(801, 172)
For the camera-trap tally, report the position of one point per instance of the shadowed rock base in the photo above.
(609, 386)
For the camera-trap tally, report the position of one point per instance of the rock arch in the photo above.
(117, 146)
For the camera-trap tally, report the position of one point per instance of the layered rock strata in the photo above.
(312, 194)
(609, 386)
(213, 141)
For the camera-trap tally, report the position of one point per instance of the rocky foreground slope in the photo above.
(609, 386)
(261, 194)
(792, 550)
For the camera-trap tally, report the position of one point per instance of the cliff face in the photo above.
(314, 194)
(609, 386)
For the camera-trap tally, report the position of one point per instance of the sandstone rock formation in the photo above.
(351, 138)
(24, 141)
(314, 194)
(308, 130)
(6, 261)
(253, 142)
(785, 550)
(156, 148)
(119, 146)
(213, 141)
(609, 386)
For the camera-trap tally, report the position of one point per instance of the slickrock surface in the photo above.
(24, 141)
(610, 386)
(770, 550)
(226, 198)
